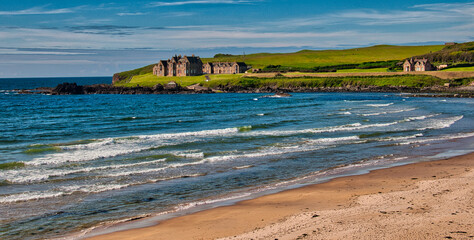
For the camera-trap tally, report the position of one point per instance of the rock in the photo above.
(172, 86)
(68, 89)
(158, 88)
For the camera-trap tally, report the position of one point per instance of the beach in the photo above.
(96, 164)
(425, 200)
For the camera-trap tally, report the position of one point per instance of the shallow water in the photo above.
(94, 158)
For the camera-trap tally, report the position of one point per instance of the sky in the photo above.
(77, 38)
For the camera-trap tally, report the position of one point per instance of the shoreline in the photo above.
(267, 215)
(74, 89)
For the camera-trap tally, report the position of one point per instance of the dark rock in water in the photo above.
(158, 87)
(68, 89)
(173, 86)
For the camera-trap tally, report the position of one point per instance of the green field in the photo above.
(313, 58)
(458, 69)
(312, 82)
(150, 80)
(362, 70)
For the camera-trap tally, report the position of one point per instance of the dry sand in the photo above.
(427, 200)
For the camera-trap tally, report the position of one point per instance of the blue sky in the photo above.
(99, 38)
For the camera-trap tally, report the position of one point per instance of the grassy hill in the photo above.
(305, 59)
(317, 58)
(457, 54)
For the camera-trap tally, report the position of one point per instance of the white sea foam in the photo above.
(379, 105)
(211, 201)
(39, 174)
(308, 145)
(243, 167)
(439, 138)
(441, 123)
(400, 138)
(29, 196)
(387, 112)
(111, 147)
(345, 113)
(189, 154)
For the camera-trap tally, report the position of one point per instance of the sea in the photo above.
(78, 165)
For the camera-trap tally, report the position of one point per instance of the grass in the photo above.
(150, 80)
(458, 69)
(362, 70)
(313, 58)
(363, 81)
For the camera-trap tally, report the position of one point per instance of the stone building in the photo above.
(179, 66)
(224, 68)
(417, 65)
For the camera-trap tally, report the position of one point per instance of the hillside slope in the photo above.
(316, 58)
(454, 54)
(309, 58)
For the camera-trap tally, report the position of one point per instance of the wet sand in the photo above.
(427, 200)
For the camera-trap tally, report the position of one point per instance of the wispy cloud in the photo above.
(104, 29)
(410, 18)
(10, 51)
(179, 3)
(132, 14)
(39, 11)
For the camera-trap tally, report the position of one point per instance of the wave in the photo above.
(441, 123)
(439, 138)
(388, 112)
(88, 189)
(112, 147)
(28, 196)
(305, 146)
(345, 113)
(38, 175)
(379, 105)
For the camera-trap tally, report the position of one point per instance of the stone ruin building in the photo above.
(193, 66)
(179, 66)
(417, 65)
(224, 68)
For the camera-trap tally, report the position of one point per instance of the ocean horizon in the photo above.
(83, 160)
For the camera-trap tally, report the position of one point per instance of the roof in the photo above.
(164, 62)
(193, 59)
(416, 60)
(242, 64)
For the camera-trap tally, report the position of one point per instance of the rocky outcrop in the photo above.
(174, 88)
(118, 78)
(73, 88)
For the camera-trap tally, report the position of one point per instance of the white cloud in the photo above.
(38, 11)
(179, 3)
(131, 14)
(443, 13)
(48, 62)
(10, 51)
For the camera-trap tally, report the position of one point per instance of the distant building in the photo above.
(450, 43)
(179, 66)
(224, 68)
(442, 66)
(417, 65)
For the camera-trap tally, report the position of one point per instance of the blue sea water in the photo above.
(89, 159)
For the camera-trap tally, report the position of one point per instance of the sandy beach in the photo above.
(426, 200)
